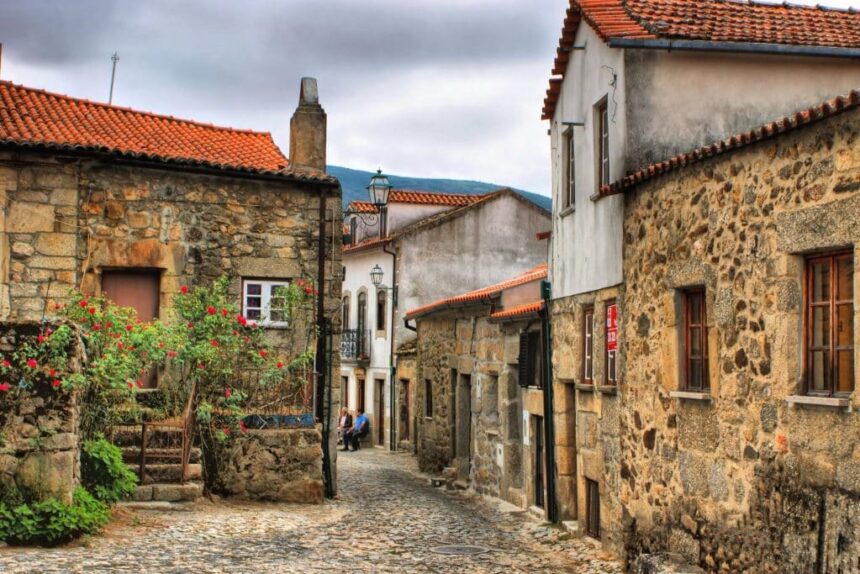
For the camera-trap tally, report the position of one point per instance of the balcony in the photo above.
(355, 345)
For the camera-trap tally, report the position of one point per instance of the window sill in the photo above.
(811, 401)
(567, 211)
(608, 389)
(691, 396)
(585, 387)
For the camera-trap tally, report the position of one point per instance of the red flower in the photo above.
(161, 344)
(183, 289)
(52, 373)
(91, 310)
(201, 366)
(6, 363)
(129, 327)
(227, 431)
(142, 371)
(254, 325)
(228, 392)
(224, 312)
(280, 365)
(263, 353)
(214, 342)
(235, 333)
(241, 320)
(242, 426)
(96, 327)
(171, 354)
(211, 310)
(247, 339)
(57, 383)
(119, 345)
(4, 387)
(83, 303)
(130, 385)
(41, 339)
(140, 383)
(31, 363)
(309, 290)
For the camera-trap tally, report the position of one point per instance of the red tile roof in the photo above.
(518, 312)
(484, 295)
(827, 109)
(366, 244)
(703, 20)
(36, 118)
(418, 197)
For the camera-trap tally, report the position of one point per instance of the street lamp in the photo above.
(377, 192)
(376, 275)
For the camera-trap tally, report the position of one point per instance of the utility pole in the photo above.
(114, 59)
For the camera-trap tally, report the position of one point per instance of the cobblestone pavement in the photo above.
(386, 519)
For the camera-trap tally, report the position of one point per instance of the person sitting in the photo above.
(344, 424)
(359, 430)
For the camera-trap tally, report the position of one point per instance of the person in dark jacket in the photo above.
(344, 424)
(359, 430)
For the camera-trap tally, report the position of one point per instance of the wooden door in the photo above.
(380, 412)
(138, 289)
(405, 410)
(539, 468)
(361, 406)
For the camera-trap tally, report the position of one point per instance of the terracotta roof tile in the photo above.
(484, 294)
(420, 198)
(36, 118)
(703, 20)
(519, 311)
(810, 115)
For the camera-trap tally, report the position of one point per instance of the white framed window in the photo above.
(262, 303)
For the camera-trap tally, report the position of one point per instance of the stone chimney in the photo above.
(308, 129)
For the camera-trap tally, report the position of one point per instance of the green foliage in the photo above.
(50, 522)
(104, 474)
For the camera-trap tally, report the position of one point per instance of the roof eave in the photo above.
(669, 44)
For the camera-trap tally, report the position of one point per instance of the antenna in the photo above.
(114, 59)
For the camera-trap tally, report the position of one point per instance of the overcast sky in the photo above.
(427, 88)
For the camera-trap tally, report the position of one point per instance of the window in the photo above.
(592, 508)
(428, 399)
(345, 312)
(603, 144)
(381, 307)
(611, 343)
(361, 395)
(263, 302)
(568, 190)
(353, 231)
(695, 341)
(531, 360)
(362, 312)
(588, 345)
(830, 324)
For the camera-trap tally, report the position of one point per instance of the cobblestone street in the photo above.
(386, 519)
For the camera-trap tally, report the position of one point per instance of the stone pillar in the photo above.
(308, 129)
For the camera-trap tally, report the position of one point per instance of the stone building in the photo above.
(133, 204)
(635, 82)
(739, 433)
(480, 393)
(428, 246)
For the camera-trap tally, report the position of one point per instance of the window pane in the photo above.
(845, 325)
(819, 379)
(695, 308)
(845, 371)
(820, 281)
(695, 342)
(254, 302)
(252, 313)
(845, 279)
(820, 326)
(254, 289)
(695, 374)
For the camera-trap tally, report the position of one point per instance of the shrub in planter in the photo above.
(104, 474)
(50, 522)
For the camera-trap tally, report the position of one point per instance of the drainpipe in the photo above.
(549, 426)
(321, 359)
(392, 433)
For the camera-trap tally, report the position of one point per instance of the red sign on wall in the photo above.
(611, 327)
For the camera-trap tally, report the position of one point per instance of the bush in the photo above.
(52, 522)
(104, 474)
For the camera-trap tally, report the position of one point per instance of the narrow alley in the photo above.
(386, 519)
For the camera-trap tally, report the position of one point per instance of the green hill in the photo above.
(354, 183)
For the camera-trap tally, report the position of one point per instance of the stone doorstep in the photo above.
(571, 527)
(188, 492)
(157, 505)
(537, 512)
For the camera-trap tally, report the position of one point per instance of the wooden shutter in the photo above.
(525, 366)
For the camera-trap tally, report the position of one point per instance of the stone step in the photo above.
(461, 485)
(162, 492)
(131, 455)
(168, 473)
(159, 437)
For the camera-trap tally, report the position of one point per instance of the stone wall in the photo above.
(279, 465)
(39, 444)
(743, 478)
(456, 349)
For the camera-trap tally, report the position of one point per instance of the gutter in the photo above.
(549, 408)
(391, 368)
(736, 47)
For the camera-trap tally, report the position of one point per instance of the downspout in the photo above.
(549, 426)
(321, 359)
(391, 369)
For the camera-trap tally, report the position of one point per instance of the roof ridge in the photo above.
(790, 5)
(828, 108)
(126, 109)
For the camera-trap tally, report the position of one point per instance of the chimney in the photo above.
(308, 129)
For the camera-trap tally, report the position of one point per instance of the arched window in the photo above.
(345, 312)
(362, 311)
(380, 310)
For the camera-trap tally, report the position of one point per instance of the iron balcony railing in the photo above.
(355, 345)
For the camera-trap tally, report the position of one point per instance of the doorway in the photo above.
(405, 410)
(140, 290)
(464, 426)
(361, 395)
(344, 392)
(538, 464)
(380, 412)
